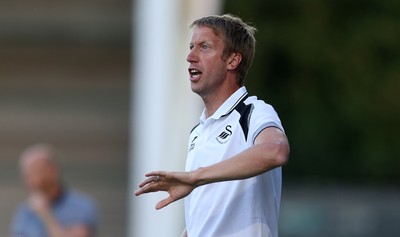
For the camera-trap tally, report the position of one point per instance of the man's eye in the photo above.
(190, 47)
(204, 46)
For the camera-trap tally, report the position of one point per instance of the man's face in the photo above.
(38, 175)
(207, 69)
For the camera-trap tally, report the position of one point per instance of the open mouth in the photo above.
(194, 73)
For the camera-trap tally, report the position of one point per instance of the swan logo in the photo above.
(225, 135)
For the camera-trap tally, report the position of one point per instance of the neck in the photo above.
(213, 101)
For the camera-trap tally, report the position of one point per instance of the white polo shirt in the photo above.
(240, 208)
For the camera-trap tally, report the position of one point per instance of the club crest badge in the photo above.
(225, 135)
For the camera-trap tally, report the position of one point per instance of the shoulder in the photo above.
(79, 199)
(262, 112)
(263, 115)
(80, 203)
(21, 214)
(77, 208)
(259, 105)
(23, 210)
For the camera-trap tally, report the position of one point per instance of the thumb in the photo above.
(165, 202)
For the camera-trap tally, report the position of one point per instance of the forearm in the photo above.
(270, 150)
(52, 225)
(254, 161)
(55, 229)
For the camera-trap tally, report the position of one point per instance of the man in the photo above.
(51, 210)
(239, 139)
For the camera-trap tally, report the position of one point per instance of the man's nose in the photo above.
(192, 56)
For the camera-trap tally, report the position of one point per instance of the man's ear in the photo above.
(234, 61)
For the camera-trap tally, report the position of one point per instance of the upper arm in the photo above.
(274, 140)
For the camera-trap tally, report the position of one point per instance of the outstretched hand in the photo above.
(177, 184)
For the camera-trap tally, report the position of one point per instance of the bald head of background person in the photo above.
(51, 210)
(40, 172)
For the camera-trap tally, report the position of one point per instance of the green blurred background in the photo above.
(332, 70)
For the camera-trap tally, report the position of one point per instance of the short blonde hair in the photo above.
(238, 38)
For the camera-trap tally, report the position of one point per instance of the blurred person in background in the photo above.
(51, 209)
(239, 139)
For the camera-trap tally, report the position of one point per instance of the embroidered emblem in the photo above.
(225, 135)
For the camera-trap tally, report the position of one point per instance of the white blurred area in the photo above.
(163, 107)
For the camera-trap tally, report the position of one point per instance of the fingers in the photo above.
(152, 179)
(139, 192)
(147, 188)
(164, 181)
(150, 184)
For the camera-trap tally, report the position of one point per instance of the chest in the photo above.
(215, 141)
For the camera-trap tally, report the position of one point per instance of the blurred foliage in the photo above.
(332, 71)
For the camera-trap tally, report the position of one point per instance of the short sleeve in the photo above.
(263, 116)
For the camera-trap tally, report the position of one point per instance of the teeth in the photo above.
(194, 72)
